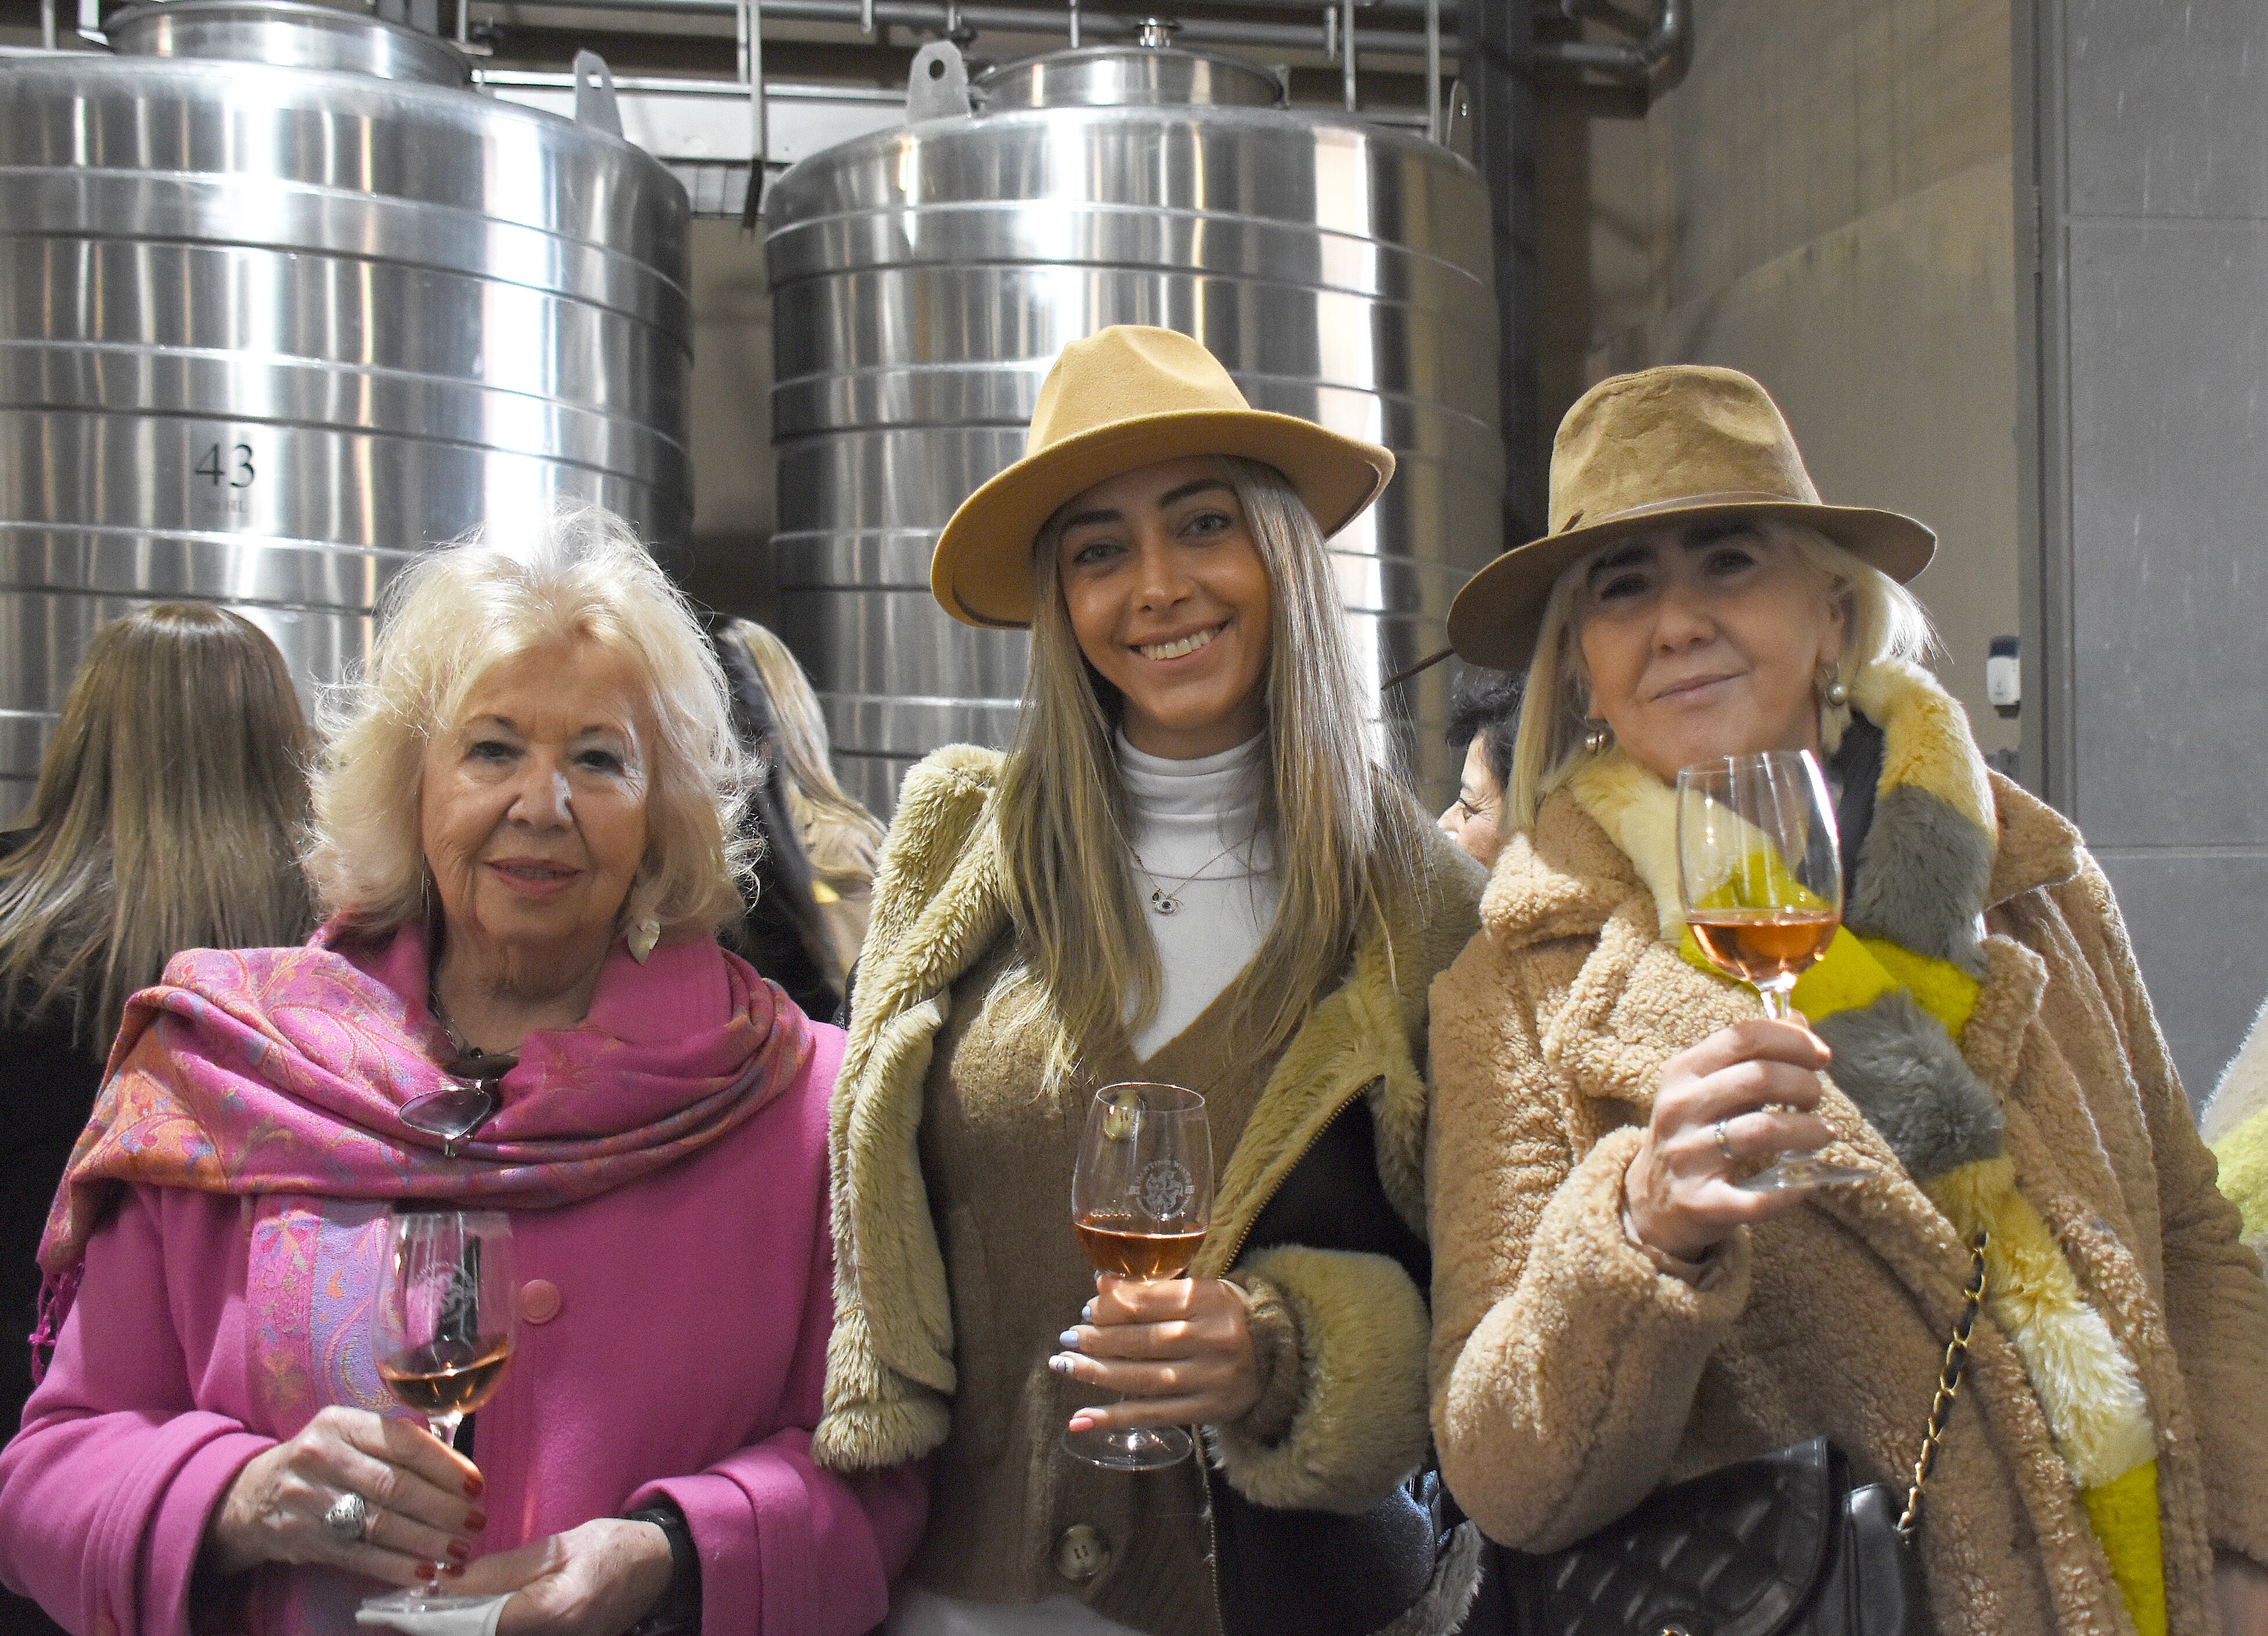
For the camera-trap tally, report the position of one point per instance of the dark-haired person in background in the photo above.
(1483, 716)
(167, 815)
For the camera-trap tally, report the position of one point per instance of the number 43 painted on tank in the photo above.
(238, 472)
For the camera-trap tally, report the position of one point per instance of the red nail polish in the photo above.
(474, 1486)
(452, 1572)
(476, 1520)
(460, 1551)
(424, 1570)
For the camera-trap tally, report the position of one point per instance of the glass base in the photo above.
(376, 1610)
(1801, 1170)
(1134, 1448)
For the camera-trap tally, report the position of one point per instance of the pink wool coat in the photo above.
(683, 1355)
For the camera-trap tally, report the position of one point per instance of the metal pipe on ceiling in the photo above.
(936, 17)
(1636, 64)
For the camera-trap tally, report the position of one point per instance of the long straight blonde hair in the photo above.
(169, 812)
(1345, 836)
(815, 797)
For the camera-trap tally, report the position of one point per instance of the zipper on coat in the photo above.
(1307, 1147)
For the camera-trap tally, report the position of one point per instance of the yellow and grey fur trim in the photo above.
(1892, 998)
(2236, 1122)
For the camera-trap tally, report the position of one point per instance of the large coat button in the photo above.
(1081, 1552)
(538, 1300)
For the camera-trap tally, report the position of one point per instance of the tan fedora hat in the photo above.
(1124, 398)
(1663, 446)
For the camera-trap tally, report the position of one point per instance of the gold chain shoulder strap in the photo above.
(1948, 1383)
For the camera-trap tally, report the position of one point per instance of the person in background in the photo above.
(781, 930)
(1189, 868)
(169, 812)
(2236, 1122)
(1612, 1312)
(1484, 715)
(839, 836)
(526, 835)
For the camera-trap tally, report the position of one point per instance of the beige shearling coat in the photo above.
(1570, 1378)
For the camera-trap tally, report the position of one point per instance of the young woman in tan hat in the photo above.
(1188, 869)
(1612, 1312)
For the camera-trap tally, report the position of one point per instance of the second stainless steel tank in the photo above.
(924, 279)
(282, 301)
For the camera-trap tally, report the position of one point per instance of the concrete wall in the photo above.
(1825, 202)
(2148, 142)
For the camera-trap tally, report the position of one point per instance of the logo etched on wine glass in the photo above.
(1165, 1190)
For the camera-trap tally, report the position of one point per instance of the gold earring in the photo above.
(644, 936)
(1598, 737)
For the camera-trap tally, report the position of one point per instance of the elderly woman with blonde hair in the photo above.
(1614, 1312)
(525, 842)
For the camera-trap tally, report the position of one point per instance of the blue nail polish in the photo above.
(1060, 1364)
(1068, 1340)
(1086, 1313)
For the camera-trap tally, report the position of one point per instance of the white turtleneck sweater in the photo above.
(1196, 838)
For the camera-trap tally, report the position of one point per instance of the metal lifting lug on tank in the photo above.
(924, 277)
(283, 302)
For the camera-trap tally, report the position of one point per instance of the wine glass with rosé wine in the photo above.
(1760, 878)
(1141, 1196)
(443, 1330)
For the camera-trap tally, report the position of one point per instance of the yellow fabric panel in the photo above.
(2124, 1512)
(2243, 1156)
(2085, 1383)
(1847, 978)
(1939, 987)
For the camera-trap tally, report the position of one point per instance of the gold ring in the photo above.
(1724, 1146)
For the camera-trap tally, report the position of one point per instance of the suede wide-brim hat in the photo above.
(1663, 446)
(1124, 398)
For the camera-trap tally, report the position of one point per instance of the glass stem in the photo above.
(1775, 1001)
(445, 1427)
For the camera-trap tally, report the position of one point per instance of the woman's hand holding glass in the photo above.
(421, 1501)
(1180, 1350)
(1742, 1096)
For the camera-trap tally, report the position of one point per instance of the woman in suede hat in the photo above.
(1612, 1312)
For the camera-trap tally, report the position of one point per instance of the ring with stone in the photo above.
(1724, 1144)
(348, 1519)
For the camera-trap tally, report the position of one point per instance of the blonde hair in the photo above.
(1345, 836)
(456, 612)
(815, 796)
(1881, 620)
(170, 802)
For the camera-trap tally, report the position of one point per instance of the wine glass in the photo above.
(1760, 877)
(442, 1331)
(1140, 1198)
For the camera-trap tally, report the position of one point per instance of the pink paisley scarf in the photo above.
(274, 1074)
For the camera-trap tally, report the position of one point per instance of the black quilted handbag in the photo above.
(1783, 1545)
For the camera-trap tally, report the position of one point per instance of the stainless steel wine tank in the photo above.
(282, 301)
(923, 278)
